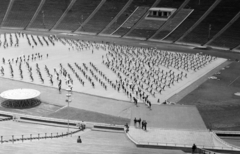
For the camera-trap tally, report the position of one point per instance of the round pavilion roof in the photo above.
(20, 94)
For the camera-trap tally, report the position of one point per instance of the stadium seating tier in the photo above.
(21, 13)
(199, 10)
(3, 8)
(142, 33)
(78, 14)
(214, 22)
(106, 13)
(127, 13)
(145, 28)
(172, 23)
(51, 11)
(130, 22)
(230, 38)
(170, 3)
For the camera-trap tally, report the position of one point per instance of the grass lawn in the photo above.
(215, 99)
(84, 115)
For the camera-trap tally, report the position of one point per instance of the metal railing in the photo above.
(31, 137)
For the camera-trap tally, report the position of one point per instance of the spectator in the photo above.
(79, 140)
(194, 147)
(135, 121)
(144, 125)
(127, 127)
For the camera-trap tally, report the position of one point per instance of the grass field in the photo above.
(216, 101)
(213, 98)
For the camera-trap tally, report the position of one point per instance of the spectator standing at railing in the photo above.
(135, 121)
(79, 140)
(144, 125)
(194, 147)
(127, 127)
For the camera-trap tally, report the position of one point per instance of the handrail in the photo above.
(223, 142)
(38, 137)
(182, 145)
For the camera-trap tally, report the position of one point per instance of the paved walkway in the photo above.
(179, 138)
(169, 117)
(93, 142)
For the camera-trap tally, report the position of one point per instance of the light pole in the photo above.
(68, 100)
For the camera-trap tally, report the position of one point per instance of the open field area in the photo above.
(120, 77)
(216, 101)
(122, 109)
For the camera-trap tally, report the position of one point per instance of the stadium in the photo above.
(120, 76)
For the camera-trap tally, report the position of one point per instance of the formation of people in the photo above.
(142, 74)
(148, 72)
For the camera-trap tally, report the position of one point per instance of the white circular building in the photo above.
(20, 98)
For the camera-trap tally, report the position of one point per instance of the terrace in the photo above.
(214, 22)
(49, 14)
(3, 8)
(199, 10)
(127, 13)
(230, 38)
(21, 13)
(78, 14)
(105, 14)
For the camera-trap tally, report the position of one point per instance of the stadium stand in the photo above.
(117, 16)
(126, 14)
(3, 8)
(78, 14)
(9, 6)
(64, 14)
(91, 15)
(170, 3)
(147, 28)
(131, 21)
(214, 22)
(229, 38)
(237, 48)
(49, 14)
(147, 32)
(105, 14)
(199, 10)
(173, 23)
(21, 13)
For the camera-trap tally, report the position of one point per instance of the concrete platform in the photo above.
(174, 126)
